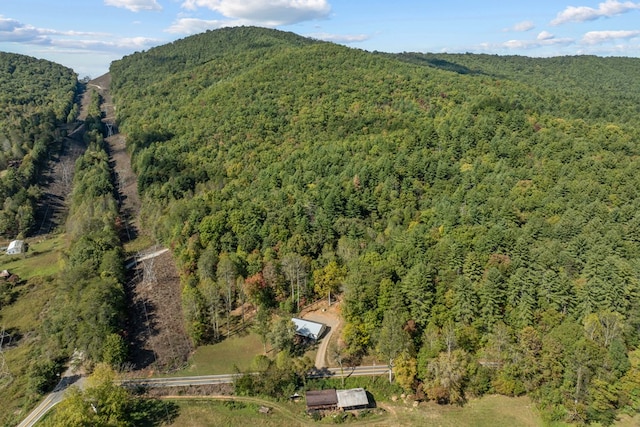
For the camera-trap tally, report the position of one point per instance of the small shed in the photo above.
(318, 400)
(355, 398)
(309, 329)
(16, 247)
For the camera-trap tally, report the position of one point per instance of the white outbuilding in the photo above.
(309, 329)
(16, 247)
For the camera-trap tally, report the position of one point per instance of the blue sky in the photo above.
(87, 35)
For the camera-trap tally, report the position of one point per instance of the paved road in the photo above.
(52, 399)
(229, 378)
(58, 394)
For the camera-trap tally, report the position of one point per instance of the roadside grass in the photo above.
(238, 412)
(223, 357)
(16, 399)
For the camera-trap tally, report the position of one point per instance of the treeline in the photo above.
(87, 313)
(583, 86)
(36, 96)
(483, 232)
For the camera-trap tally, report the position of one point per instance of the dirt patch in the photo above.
(157, 338)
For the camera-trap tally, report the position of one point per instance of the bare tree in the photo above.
(296, 270)
(212, 293)
(227, 273)
(337, 351)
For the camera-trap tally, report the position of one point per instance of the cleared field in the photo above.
(210, 412)
(21, 319)
(42, 258)
(491, 411)
(223, 357)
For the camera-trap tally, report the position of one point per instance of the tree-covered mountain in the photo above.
(36, 96)
(479, 213)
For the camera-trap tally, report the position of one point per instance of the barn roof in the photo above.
(352, 398)
(321, 398)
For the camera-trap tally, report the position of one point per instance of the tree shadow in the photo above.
(141, 325)
(153, 412)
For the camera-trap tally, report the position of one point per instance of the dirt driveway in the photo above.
(330, 316)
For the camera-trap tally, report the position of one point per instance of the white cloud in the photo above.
(584, 13)
(542, 40)
(340, 38)
(134, 5)
(545, 35)
(598, 37)
(269, 13)
(194, 26)
(521, 26)
(13, 31)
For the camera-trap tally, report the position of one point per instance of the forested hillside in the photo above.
(479, 214)
(35, 97)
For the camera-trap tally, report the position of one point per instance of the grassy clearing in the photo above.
(238, 412)
(21, 319)
(491, 411)
(37, 270)
(222, 358)
(627, 421)
(41, 260)
(140, 243)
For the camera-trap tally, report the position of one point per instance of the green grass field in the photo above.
(36, 269)
(490, 411)
(222, 358)
(42, 259)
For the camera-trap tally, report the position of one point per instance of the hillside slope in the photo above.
(36, 97)
(484, 216)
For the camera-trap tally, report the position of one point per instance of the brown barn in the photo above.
(355, 398)
(322, 400)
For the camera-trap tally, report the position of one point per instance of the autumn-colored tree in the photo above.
(329, 279)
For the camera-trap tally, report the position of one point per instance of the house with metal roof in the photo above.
(309, 329)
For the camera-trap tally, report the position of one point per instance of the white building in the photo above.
(309, 329)
(16, 247)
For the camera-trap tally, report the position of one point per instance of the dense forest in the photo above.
(36, 96)
(478, 214)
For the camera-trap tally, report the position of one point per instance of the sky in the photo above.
(87, 35)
